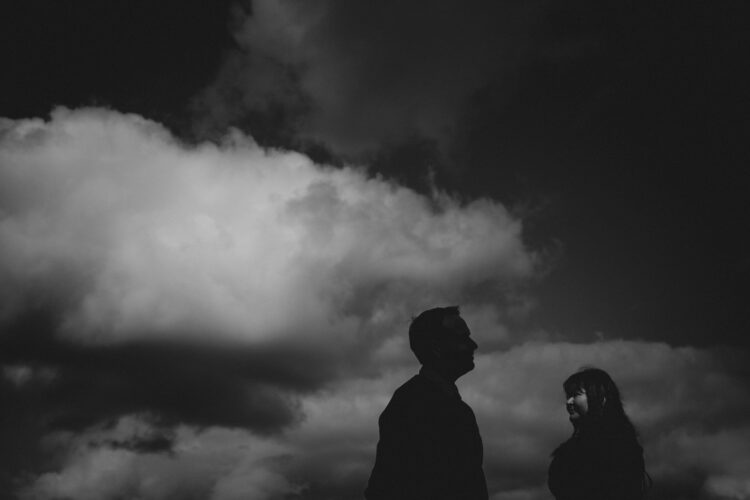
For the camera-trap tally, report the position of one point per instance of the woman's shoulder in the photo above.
(566, 448)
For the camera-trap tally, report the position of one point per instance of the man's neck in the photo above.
(441, 371)
(439, 379)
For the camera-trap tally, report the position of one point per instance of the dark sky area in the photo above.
(585, 161)
(618, 130)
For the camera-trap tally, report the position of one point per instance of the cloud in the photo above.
(216, 464)
(224, 320)
(516, 395)
(355, 75)
(215, 285)
(135, 236)
(668, 392)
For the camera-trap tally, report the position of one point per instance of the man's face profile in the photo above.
(454, 347)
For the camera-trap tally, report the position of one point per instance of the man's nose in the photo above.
(569, 400)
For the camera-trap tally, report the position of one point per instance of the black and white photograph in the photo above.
(381, 250)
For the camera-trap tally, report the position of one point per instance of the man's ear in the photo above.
(604, 401)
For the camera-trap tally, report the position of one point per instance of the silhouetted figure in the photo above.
(429, 445)
(603, 459)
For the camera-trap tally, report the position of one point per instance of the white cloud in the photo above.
(728, 487)
(112, 226)
(216, 464)
(214, 284)
(516, 395)
(108, 219)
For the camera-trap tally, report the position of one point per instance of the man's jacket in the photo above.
(429, 447)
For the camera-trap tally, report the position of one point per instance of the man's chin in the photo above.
(468, 366)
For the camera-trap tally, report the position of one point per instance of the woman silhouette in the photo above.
(602, 459)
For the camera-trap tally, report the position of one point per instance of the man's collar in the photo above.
(440, 382)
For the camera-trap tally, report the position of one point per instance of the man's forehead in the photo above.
(455, 323)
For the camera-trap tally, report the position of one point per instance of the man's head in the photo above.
(441, 340)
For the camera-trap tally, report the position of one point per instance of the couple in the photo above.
(430, 446)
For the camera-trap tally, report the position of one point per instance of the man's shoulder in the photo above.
(418, 388)
(412, 395)
(408, 390)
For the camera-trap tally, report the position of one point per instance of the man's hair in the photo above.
(428, 327)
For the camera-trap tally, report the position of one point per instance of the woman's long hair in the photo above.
(605, 411)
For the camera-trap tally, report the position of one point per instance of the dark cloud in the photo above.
(159, 443)
(195, 384)
(618, 130)
(211, 286)
(531, 74)
(217, 463)
(357, 75)
(227, 319)
(516, 394)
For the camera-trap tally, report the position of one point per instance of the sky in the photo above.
(217, 219)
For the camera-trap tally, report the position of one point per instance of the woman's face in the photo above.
(577, 404)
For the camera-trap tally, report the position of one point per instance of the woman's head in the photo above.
(601, 429)
(591, 394)
(600, 422)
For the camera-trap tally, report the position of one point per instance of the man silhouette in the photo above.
(429, 447)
